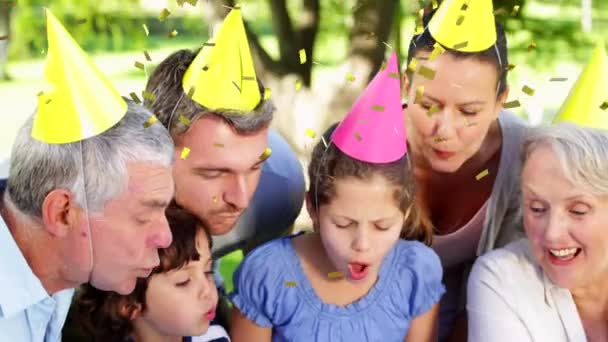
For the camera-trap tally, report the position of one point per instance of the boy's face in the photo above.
(181, 302)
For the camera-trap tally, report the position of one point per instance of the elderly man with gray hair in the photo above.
(88, 211)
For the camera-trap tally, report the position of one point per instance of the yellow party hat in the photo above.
(464, 25)
(587, 103)
(222, 76)
(82, 103)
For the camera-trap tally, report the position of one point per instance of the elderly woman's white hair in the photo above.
(582, 152)
(95, 168)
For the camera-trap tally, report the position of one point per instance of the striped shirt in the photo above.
(215, 333)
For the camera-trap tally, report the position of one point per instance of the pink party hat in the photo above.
(374, 129)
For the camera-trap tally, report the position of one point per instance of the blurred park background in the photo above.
(345, 42)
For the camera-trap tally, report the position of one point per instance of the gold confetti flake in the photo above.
(434, 109)
(419, 94)
(482, 174)
(147, 55)
(512, 104)
(267, 93)
(510, 67)
(218, 145)
(437, 50)
(298, 84)
(140, 65)
(311, 133)
(40, 93)
(515, 10)
(350, 77)
(185, 153)
(190, 92)
(412, 66)
(146, 29)
(464, 7)
(357, 136)
(419, 25)
(604, 105)
(266, 154)
(164, 14)
(172, 34)
(558, 79)
(48, 101)
(184, 120)
(378, 108)
(135, 98)
(302, 56)
(394, 75)
(426, 72)
(434, 4)
(532, 46)
(334, 275)
(461, 45)
(150, 121)
(290, 284)
(460, 20)
(148, 96)
(248, 78)
(529, 91)
(214, 199)
(383, 66)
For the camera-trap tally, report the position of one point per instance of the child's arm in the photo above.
(244, 330)
(424, 327)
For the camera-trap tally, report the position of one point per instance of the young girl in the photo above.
(351, 279)
(176, 303)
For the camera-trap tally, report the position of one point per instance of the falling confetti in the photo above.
(357, 136)
(334, 275)
(532, 46)
(190, 92)
(510, 67)
(135, 98)
(378, 108)
(214, 199)
(604, 105)
(350, 77)
(434, 4)
(218, 145)
(419, 25)
(298, 84)
(185, 153)
(460, 20)
(48, 101)
(140, 65)
(184, 120)
(413, 64)
(419, 94)
(164, 14)
(147, 55)
(150, 121)
(434, 109)
(515, 10)
(311, 133)
(146, 29)
(267, 93)
(558, 79)
(461, 45)
(290, 284)
(464, 7)
(529, 91)
(482, 174)
(512, 104)
(150, 97)
(266, 154)
(394, 75)
(302, 56)
(437, 50)
(426, 72)
(383, 66)
(172, 34)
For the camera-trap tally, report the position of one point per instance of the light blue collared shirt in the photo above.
(27, 312)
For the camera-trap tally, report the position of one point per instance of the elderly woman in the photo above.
(552, 286)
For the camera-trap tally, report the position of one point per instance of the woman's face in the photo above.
(567, 226)
(447, 125)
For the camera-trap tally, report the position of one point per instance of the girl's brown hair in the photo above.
(329, 164)
(105, 316)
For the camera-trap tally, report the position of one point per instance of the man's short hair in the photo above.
(94, 169)
(171, 101)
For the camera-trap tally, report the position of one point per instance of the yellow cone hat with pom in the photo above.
(587, 103)
(81, 102)
(464, 25)
(222, 76)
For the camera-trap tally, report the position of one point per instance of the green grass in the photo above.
(228, 265)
